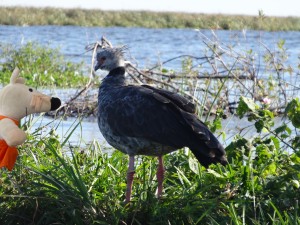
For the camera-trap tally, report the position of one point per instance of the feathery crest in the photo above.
(112, 52)
(99, 45)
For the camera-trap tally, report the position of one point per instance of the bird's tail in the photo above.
(209, 152)
(204, 145)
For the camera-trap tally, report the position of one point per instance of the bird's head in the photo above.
(110, 58)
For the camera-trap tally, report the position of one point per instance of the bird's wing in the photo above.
(182, 102)
(164, 96)
(144, 112)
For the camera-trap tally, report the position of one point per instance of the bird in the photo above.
(145, 120)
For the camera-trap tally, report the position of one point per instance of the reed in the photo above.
(57, 182)
(41, 66)
(79, 17)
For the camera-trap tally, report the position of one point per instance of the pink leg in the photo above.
(130, 174)
(160, 176)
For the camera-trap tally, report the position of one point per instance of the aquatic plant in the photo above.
(81, 17)
(41, 66)
(57, 182)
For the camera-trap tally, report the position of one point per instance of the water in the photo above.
(83, 131)
(147, 47)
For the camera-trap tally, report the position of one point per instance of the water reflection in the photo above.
(85, 131)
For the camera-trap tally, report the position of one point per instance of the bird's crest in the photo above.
(117, 52)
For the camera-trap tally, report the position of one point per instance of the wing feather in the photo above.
(140, 111)
(180, 101)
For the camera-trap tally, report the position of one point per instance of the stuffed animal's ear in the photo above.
(20, 80)
(15, 77)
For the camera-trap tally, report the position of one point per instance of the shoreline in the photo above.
(29, 16)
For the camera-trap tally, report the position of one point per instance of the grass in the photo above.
(41, 66)
(58, 182)
(79, 17)
(50, 185)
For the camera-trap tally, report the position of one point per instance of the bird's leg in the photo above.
(160, 176)
(130, 174)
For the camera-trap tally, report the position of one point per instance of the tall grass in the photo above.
(80, 17)
(40, 65)
(57, 183)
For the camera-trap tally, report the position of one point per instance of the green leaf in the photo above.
(246, 105)
(270, 169)
(295, 183)
(194, 165)
(236, 147)
(259, 125)
(282, 128)
(214, 173)
(276, 142)
(281, 43)
(164, 70)
(296, 142)
(296, 119)
(292, 111)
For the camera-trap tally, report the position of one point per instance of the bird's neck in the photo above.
(116, 77)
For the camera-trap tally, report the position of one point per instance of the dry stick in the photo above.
(177, 57)
(219, 91)
(225, 51)
(277, 71)
(89, 83)
(242, 77)
(143, 73)
(226, 67)
(205, 98)
(169, 85)
(137, 80)
(211, 76)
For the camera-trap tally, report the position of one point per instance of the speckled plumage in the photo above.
(143, 120)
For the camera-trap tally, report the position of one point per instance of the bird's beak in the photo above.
(97, 66)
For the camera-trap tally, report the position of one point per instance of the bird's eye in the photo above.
(30, 89)
(102, 58)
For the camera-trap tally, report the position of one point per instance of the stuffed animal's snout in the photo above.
(43, 103)
(55, 103)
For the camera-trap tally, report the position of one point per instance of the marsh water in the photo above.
(147, 47)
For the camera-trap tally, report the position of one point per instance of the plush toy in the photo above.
(17, 101)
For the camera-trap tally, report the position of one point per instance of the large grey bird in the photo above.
(143, 120)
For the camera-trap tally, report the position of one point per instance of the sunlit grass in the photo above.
(80, 17)
(41, 66)
(55, 182)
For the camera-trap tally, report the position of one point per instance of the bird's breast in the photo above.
(126, 144)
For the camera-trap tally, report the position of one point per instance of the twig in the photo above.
(277, 72)
(88, 84)
(177, 57)
(226, 67)
(167, 84)
(211, 76)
